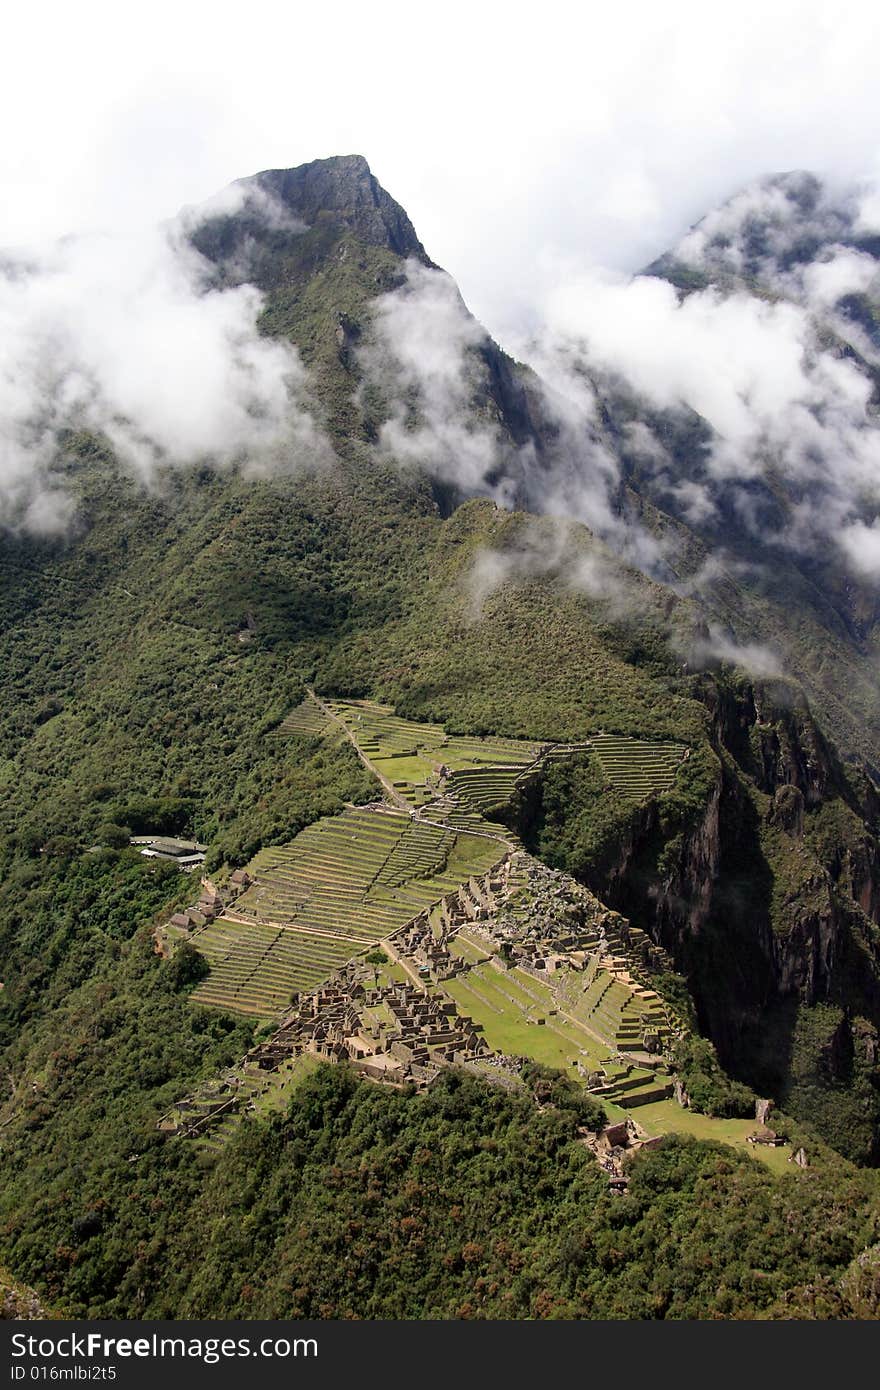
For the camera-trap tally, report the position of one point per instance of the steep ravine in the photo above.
(766, 892)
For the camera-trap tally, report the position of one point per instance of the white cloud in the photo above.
(729, 359)
(244, 195)
(763, 371)
(862, 544)
(754, 657)
(423, 357)
(868, 215)
(122, 335)
(638, 119)
(490, 570)
(555, 547)
(844, 272)
(611, 128)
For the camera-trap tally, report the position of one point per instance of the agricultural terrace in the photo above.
(256, 968)
(616, 1008)
(411, 755)
(636, 768)
(421, 760)
(354, 879)
(519, 1016)
(343, 884)
(215, 1112)
(527, 1017)
(308, 720)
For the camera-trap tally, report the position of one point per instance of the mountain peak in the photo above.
(343, 188)
(770, 229)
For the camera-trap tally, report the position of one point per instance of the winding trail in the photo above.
(392, 791)
(394, 795)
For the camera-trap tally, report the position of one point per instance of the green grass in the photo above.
(668, 1117)
(473, 855)
(460, 946)
(481, 994)
(408, 753)
(613, 1009)
(279, 1084)
(255, 969)
(345, 882)
(484, 772)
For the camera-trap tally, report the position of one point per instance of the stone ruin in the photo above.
(401, 1034)
(396, 1034)
(613, 1145)
(548, 920)
(212, 903)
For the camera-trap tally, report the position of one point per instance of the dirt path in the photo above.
(290, 926)
(399, 800)
(392, 791)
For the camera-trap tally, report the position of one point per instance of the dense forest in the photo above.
(465, 1201)
(144, 660)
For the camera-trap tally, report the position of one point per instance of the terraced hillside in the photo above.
(255, 968)
(344, 883)
(636, 768)
(307, 719)
(630, 1087)
(520, 1015)
(419, 760)
(484, 788)
(415, 758)
(351, 880)
(528, 1017)
(616, 1007)
(421, 850)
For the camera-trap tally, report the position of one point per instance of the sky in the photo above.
(545, 155)
(527, 143)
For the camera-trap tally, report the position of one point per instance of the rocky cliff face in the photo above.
(345, 191)
(767, 899)
(270, 211)
(784, 799)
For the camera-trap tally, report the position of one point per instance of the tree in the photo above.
(376, 957)
(112, 835)
(188, 966)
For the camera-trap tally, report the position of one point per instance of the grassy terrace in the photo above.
(255, 969)
(668, 1117)
(616, 1011)
(254, 1092)
(348, 881)
(484, 788)
(521, 1016)
(409, 754)
(636, 768)
(308, 719)
(484, 771)
(508, 1008)
(344, 883)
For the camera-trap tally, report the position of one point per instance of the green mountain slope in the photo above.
(146, 662)
(764, 554)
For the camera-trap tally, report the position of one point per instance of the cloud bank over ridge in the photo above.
(762, 327)
(124, 336)
(768, 328)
